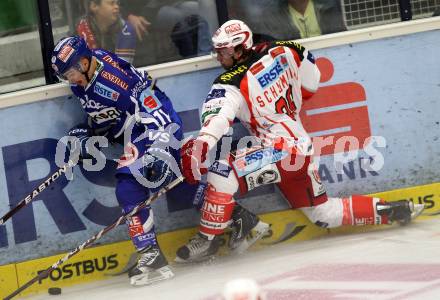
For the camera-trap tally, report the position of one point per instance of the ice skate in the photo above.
(152, 266)
(199, 248)
(402, 211)
(246, 230)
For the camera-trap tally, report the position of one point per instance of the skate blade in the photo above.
(203, 259)
(417, 210)
(256, 233)
(152, 276)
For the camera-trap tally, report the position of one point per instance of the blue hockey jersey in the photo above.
(117, 93)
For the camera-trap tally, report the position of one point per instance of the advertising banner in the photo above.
(375, 121)
(107, 261)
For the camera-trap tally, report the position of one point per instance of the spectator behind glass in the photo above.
(103, 27)
(293, 19)
(174, 30)
(188, 30)
(139, 14)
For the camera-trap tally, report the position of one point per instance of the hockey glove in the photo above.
(158, 170)
(193, 155)
(83, 134)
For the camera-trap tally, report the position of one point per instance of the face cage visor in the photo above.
(223, 52)
(63, 77)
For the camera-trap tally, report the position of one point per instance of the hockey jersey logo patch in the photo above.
(228, 76)
(114, 79)
(65, 53)
(106, 92)
(256, 160)
(220, 169)
(318, 188)
(257, 68)
(232, 28)
(216, 93)
(104, 115)
(135, 226)
(277, 67)
(91, 104)
(114, 63)
(277, 51)
(150, 101)
(266, 175)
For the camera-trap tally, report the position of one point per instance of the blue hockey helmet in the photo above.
(67, 54)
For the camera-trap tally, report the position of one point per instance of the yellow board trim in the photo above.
(8, 280)
(100, 262)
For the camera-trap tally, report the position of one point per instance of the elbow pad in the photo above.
(216, 126)
(310, 75)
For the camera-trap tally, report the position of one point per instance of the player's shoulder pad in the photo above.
(232, 76)
(110, 58)
(291, 44)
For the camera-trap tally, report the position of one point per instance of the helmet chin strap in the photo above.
(244, 55)
(86, 73)
(242, 58)
(234, 60)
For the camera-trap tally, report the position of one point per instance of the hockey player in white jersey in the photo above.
(264, 87)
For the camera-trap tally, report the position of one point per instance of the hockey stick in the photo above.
(45, 184)
(97, 236)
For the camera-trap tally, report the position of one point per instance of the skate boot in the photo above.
(152, 266)
(402, 211)
(199, 248)
(246, 229)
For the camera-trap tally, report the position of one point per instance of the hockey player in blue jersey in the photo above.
(124, 105)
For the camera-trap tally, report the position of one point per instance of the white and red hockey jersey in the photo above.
(265, 93)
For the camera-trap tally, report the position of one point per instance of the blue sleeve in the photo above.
(151, 109)
(126, 45)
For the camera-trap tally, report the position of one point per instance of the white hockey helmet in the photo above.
(242, 288)
(231, 34)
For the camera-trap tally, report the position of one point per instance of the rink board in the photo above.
(100, 262)
(357, 97)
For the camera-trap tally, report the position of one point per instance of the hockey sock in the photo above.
(130, 193)
(361, 210)
(216, 212)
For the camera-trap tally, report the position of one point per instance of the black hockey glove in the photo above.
(83, 133)
(157, 169)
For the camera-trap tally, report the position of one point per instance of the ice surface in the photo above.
(397, 263)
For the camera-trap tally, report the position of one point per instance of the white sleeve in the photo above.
(309, 73)
(219, 110)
